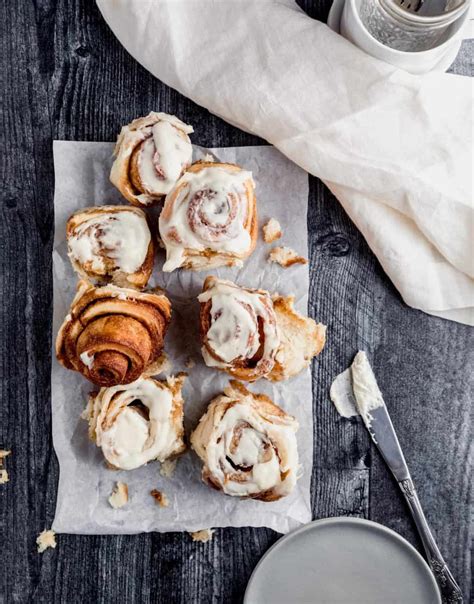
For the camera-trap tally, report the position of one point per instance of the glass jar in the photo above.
(398, 28)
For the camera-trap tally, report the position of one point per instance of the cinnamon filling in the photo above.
(210, 215)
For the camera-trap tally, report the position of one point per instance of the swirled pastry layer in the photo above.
(111, 244)
(209, 219)
(250, 334)
(113, 334)
(138, 422)
(239, 330)
(248, 445)
(150, 155)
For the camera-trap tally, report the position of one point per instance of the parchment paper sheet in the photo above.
(82, 170)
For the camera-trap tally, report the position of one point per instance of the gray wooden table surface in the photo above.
(64, 76)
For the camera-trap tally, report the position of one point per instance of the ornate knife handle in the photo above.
(450, 591)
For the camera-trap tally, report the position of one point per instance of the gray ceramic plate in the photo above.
(342, 561)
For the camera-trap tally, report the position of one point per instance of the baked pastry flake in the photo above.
(301, 339)
(271, 231)
(286, 257)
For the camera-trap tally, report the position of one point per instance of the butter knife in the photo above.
(373, 411)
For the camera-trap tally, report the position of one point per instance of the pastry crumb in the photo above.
(209, 158)
(168, 467)
(160, 498)
(161, 365)
(271, 231)
(3, 454)
(285, 257)
(204, 535)
(190, 363)
(4, 478)
(45, 540)
(119, 496)
(110, 466)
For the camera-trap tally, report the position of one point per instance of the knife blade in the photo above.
(372, 409)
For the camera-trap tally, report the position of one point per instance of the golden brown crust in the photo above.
(119, 333)
(301, 340)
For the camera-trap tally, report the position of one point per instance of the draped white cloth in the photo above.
(394, 148)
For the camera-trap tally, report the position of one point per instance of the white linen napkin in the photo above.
(394, 148)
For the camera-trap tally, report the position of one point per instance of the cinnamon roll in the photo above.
(138, 422)
(113, 334)
(209, 218)
(238, 328)
(150, 155)
(111, 244)
(250, 335)
(247, 445)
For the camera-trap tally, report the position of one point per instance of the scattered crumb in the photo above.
(3, 473)
(286, 257)
(45, 540)
(3, 454)
(110, 466)
(160, 498)
(271, 231)
(119, 496)
(209, 158)
(161, 365)
(168, 467)
(204, 535)
(190, 363)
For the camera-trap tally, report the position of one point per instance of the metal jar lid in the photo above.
(431, 15)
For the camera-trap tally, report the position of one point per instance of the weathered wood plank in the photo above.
(64, 75)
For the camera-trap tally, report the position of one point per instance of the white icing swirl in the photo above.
(121, 237)
(130, 436)
(241, 322)
(248, 446)
(163, 156)
(207, 209)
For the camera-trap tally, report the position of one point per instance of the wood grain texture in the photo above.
(64, 75)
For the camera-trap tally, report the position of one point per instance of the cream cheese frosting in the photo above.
(119, 238)
(355, 391)
(207, 210)
(129, 435)
(164, 154)
(237, 318)
(247, 449)
(150, 155)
